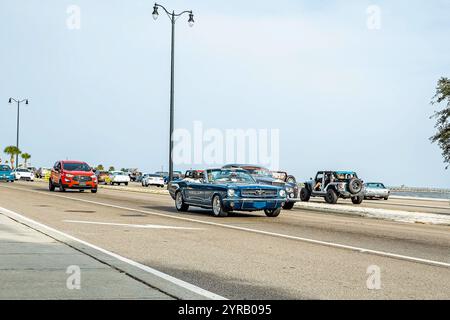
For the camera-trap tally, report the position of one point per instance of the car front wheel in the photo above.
(305, 195)
(61, 187)
(51, 187)
(94, 190)
(272, 212)
(288, 205)
(218, 209)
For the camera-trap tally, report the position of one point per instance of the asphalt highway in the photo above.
(299, 255)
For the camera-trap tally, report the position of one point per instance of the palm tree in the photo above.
(12, 151)
(100, 167)
(25, 157)
(111, 168)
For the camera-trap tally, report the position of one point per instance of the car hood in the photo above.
(5, 172)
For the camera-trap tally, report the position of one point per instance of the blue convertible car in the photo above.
(6, 173)
(225, 190)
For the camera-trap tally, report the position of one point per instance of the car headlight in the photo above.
(69, 175)
(289, 189)
(93, 176)
(282, 193)
(231, 192)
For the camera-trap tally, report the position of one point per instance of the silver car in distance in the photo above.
(376, 190)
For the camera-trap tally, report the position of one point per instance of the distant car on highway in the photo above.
(119, 177)
(43, 173)
(69, 174)
(276, 178)
(282, 175)
(176, 175)
(333, 185)
(376, 190)
(163, 174)
(226, 190)
(152, 180)
(6, 173)
(23, 174)
(103, 177)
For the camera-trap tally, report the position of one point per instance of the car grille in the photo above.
(259, 193)
(82, 178)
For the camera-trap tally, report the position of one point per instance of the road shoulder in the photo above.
(24, 238)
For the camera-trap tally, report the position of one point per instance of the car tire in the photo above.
(272, 212)
(305, 195)
(180, 205)
(61, 187)
(331, 197)
(217, 207)
(386, 198)
(51, 186)
(355, 186)
(126, 183)
(357, 200)
(94, 190)
(288, 205)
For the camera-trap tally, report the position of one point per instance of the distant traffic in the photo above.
(233, 187)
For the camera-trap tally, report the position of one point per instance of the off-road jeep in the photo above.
(332, 185)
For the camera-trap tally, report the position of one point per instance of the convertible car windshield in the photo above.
(4, 167)
(226, 176)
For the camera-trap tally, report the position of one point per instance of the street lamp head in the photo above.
(191, 19)
(155, 12)
(10, 100)
(26, 101)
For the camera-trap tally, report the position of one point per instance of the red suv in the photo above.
(69, 174)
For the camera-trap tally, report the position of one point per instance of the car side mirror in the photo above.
(310, 178)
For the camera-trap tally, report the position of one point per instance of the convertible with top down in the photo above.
(226, 190)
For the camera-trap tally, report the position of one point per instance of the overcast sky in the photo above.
(343, 95)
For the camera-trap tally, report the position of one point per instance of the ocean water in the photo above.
(437, 195)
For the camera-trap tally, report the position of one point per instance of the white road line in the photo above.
(176, 281)
(143, 226)
(279, 235)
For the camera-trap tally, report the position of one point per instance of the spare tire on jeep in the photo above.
(355, 186)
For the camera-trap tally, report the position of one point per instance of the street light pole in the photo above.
(18, 126)
(172, 88)
(172, 16)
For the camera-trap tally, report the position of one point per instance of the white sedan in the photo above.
(23, 174)
(119, 177)
(376, 190)
(152, 180)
